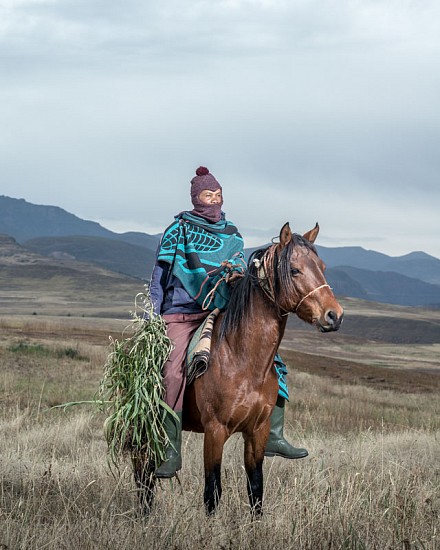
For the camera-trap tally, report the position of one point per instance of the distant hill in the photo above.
(418, 265)
(24, 221)
(344, 285)
(31, 283)
(133, 260)
(412, 279)
(382, 286)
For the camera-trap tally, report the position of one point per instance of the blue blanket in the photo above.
(196, 248)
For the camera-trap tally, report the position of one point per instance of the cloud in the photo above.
(204, 27)
(317, 110)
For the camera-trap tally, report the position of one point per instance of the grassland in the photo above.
(372, 479)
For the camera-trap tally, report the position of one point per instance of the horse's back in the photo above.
(231, 393)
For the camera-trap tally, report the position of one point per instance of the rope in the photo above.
(211, 293)
(229, 269)
(311, 292)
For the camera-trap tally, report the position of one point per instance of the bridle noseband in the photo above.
(266, 283)
(307, 295)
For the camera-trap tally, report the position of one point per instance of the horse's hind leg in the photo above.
(215, 438)
(143, 471)
(254, 445)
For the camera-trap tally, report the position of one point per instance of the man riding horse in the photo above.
(200, 255)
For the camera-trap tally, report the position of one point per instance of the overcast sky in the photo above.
(304, 110)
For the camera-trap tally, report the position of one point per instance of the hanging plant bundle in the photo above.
(132, 390)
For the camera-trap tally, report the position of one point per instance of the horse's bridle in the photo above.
(266, 283)
(307, 295)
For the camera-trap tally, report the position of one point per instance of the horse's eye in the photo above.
(294, 271)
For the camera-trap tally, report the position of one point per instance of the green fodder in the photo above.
(132, 387)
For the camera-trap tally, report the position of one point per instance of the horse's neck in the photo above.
(267, 318)
(263, 328)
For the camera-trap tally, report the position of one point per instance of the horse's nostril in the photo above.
(332, 316)
(333, 319)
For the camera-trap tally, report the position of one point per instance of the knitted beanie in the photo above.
(203, 180)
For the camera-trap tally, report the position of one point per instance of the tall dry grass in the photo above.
(372, 479)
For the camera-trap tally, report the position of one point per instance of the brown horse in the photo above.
(239, 390)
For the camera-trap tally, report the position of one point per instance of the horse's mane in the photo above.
(241, 300)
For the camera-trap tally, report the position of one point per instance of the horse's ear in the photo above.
(312, 234)
(285, 235)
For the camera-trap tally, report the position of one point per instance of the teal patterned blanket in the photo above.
(195, 249)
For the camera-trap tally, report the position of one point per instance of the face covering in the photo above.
(203, 180)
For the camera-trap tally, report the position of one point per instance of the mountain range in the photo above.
(50, 231)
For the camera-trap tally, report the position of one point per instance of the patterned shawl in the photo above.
(195, 248)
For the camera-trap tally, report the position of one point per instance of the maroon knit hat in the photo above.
(201, 181)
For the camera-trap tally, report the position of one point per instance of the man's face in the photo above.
(211, 197)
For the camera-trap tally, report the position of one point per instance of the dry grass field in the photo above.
(369, 418)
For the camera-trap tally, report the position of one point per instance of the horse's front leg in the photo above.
(254, 445)
(215, 438)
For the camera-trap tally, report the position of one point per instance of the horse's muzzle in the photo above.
(332, 321)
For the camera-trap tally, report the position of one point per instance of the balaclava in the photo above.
(201, 181)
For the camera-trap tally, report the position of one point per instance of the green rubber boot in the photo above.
(173, 462)
(276, 444)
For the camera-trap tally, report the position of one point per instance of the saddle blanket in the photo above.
(199, 349)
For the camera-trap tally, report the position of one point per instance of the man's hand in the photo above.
(233, 272)
(233, 276)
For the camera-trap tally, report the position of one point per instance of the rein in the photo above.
(266, 282)
(229, 269)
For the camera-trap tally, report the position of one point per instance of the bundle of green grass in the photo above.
(132, 388)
